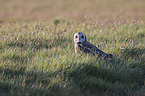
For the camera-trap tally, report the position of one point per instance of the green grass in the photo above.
(38, 58)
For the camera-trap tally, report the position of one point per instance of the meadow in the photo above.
(37, 56)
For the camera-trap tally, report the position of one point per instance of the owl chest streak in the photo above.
(82, 48)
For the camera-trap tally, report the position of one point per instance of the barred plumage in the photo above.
(82, 45)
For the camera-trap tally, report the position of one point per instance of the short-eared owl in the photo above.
(82, 45)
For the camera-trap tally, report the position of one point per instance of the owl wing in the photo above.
(90, 48)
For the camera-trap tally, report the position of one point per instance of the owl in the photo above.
(82, 45)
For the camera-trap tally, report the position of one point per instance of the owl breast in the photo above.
(82, 48)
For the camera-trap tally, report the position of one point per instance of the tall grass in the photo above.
(38, 58)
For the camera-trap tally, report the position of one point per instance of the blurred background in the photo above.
(28, 10)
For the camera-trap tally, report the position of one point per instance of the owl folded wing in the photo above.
(90, 48)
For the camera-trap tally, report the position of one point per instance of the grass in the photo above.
(39, 59)
(37, 51)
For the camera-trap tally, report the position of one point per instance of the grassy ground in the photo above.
(37, 50)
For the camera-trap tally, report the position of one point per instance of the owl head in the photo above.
(80, 37)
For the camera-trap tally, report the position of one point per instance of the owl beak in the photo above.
(79, 38)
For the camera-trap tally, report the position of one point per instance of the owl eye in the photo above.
(76, 36)
(82, 36)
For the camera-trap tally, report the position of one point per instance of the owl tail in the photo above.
(104, 55)
(108, 56)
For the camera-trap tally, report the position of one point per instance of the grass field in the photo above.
(37, 49)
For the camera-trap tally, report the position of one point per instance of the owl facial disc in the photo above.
(79, 37)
